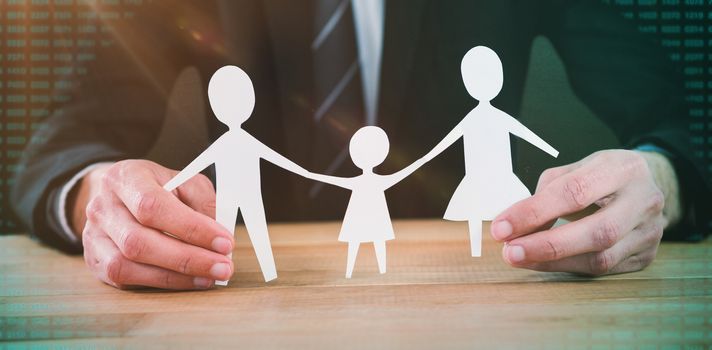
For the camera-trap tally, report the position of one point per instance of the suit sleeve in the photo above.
(626, 78)
(114, 113)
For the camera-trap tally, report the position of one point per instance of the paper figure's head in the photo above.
(369, 147)
(482, 73)
(231, 95)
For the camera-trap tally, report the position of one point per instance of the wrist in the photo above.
(80, 195)
(665, 178)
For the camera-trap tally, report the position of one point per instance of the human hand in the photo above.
(622, 236)
(127, 212)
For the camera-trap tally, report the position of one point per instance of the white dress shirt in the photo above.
(369, 18)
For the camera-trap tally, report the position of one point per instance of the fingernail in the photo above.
(514, 253)
(202, 282)
(222, 245)
(220, 271)
(501, 230)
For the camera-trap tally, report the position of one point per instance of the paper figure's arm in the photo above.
(343, 182)
(446, 142)
(197, 165)
(397, 177)
(279, 160)
(518, 129)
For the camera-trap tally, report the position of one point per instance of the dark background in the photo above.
(43, 44)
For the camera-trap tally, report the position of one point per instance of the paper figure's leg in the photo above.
(226, 215)
(351, 258)
(256, 225)
(380, 247)
(476, 237)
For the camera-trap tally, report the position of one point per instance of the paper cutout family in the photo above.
(479, 197)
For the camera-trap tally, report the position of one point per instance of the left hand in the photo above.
(622, 236)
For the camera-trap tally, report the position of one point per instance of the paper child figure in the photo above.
(237, 155)
(367, 218)
(489, 185)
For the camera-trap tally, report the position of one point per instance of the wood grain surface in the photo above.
(433, 296)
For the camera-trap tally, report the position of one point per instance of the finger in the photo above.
(551, 174)
(88, 236)
(567, 194)
(154, 207)
(145, 245)
(594, 264)
(635, 262)
(114, 269)
(199, 194)
(594, 233)
(643, 248)
(546, 178)
(634, 252)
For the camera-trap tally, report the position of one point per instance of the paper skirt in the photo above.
(479, 200)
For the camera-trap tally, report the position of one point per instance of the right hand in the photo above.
(122, 212)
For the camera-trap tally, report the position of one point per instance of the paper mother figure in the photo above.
(489, 185)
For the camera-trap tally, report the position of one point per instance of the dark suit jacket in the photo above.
(118, 108)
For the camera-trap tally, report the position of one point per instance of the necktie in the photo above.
(337, 85)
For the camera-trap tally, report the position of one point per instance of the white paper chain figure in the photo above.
(489, 185)
(237, 155)
(367, 217)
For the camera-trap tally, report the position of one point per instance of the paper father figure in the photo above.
(367, 218)
(489, 185)
(237, 155)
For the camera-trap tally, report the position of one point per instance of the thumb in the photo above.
(198, 192)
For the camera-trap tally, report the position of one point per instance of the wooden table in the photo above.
(434, 296)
